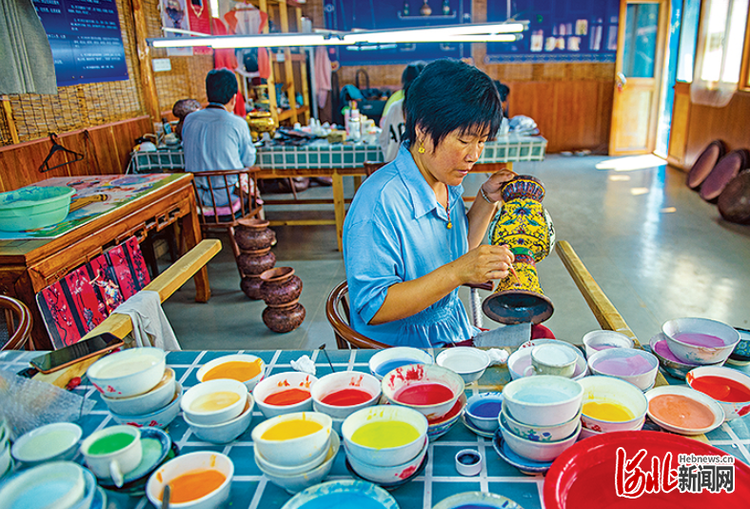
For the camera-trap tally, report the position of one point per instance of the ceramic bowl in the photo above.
(439, 427)
(128, 372)
(60, 484)
(224, 432)
(388, 474)
(159, 419)
(391, 358)
(632, 365)
(543, 399)
(539, 433)
(298, 482)
(148, 402)
(157, 447)
(520, 360)
(466, 361)
(670, 422)
(384, 456)
(6, 463)
(196, 395)
(597, 340)
(53, 442)
(90, 490)
(483, 409)
(293, 451)
(732, 409)
(281, 382)
(185, 464)
(249, 375)
(358, 493)
(671, 364)
(538, 451)
(297, 469)
(343, 380)
(606, 389)
(741, 354)
(476, 499)
(411, 375)
(700, 340)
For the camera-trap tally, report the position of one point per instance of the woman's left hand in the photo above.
(493, 186)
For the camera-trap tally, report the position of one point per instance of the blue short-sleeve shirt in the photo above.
(396, 231)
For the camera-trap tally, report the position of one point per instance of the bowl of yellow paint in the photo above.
(198, 480)
(244, 368)
(389, 474)
(284, 393)
(301, 468)
(148, 402)
(611, 404)
(427, 388)
(384, 435)
(52, 442)
(128, 372)
(342, 393)
(224, 432)
(292, 439)
(214, 402)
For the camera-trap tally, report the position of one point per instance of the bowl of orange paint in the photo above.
(284, 393)
(244, 368)
(427, 388)
(214, 402)
(682, 410)
(700, 340)
(198, 480)
(611, 404)
(343, 393)
(292, 439)
(729, 387)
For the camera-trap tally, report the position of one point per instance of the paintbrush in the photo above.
(512, 270)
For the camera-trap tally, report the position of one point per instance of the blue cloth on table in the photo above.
(395, 231)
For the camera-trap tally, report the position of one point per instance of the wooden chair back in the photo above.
(337, 312)
(371, 167)
(18, 321)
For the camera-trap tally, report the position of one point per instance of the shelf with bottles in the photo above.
(425, 12)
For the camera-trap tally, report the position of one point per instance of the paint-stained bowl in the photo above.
(301, 468)
(740, 381)
(435, 383)
(391, 419)
(539, 433)
(391, 358)
(298, 482)
(343, 393)
(671, 364)
(483, 410)
(388, 474)
(544, 400)
(158, 419)
(700, 340)
(244, 368)
(148, 402)
(292, 445)
(214, 402)
(466, 361)
(677, 416)
(538, 451)
(520, 360)
(630, 364)
(275, 384)
(128, 372)
(224, 432)
(606, 390)
(187, 464)
(52, 442)
(597, 340)
(439, 427)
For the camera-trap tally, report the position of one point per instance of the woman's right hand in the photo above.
(484, 263)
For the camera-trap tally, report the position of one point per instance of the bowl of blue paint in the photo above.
(391, 358)
(483, 410)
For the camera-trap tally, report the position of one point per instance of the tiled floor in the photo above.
(657, 250)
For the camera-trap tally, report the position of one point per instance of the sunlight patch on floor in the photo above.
(637, 191)
(631, 163)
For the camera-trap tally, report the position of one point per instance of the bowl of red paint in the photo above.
(729, 387)
(700, 340)
(343, 393)
(682, 410)
(429, 389)
(284, 393)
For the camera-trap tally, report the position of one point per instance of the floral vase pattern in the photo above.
(525, 226)
(254, 239)
(281, 290)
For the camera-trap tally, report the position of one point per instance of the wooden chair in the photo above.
(244, 199)
(372, 167)
(337, 312)
(18, 322)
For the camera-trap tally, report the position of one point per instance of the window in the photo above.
(691, 13)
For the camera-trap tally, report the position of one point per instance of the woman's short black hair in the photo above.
(221, 86)
(449, 95)
(410, 73)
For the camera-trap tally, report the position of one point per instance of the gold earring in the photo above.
(421, 148)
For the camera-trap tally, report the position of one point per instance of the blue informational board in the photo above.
(347, 15)
(559, 31)
(85, 39)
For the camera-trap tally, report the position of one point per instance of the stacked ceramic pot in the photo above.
(254, 239)
(280, 289)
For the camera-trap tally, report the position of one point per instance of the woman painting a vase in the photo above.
(409, 242)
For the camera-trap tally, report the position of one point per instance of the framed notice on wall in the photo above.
(85, 39)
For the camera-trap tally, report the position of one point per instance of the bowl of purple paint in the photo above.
(483, 410)
(632, 365)
(700, 340)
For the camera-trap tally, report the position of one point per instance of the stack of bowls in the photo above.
(611, 404)
(385, 444)
(341, 394)
(540, 416)
(598, 340)
(59, 484)
(137, 386)
(244, 368)
(520, 360)
(632, 365)
(284, 393)
(295, 450)
(199, 480)
(482, 413)
(218, 411)
(729, 387)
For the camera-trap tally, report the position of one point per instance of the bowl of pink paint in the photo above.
(632, 365)
(700, 340)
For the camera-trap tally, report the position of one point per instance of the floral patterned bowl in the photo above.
(537, 433)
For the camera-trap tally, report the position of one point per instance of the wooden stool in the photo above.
(734, 200)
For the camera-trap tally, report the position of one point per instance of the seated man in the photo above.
(216, 139)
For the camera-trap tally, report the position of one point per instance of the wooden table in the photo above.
(28, 266)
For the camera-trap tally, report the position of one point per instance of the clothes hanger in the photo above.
(56, 147)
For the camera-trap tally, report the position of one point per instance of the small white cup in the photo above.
(548, 359)
(117, 463)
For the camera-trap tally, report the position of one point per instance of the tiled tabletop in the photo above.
(251, 489)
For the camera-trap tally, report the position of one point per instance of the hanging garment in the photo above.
(248, 20)
(322, 75)
(150, 324)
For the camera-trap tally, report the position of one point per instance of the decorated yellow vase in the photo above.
(525, 226)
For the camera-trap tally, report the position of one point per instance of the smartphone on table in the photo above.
(84, 349)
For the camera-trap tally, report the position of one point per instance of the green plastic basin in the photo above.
(34, 207)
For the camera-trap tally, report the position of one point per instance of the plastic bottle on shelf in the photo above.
(355, 129)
